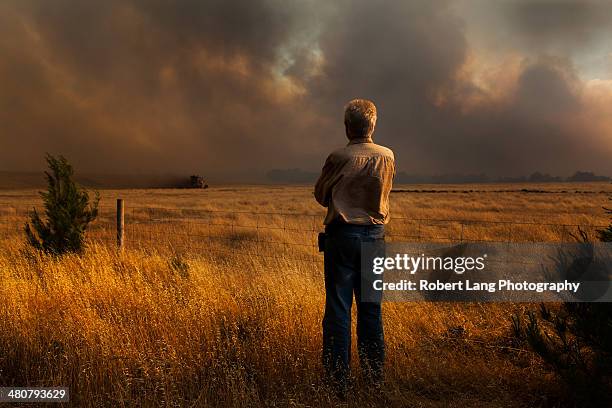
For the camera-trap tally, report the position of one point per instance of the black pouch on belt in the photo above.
(321, 241)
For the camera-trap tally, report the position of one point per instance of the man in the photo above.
(354, 186)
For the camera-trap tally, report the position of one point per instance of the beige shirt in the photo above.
(355, 183)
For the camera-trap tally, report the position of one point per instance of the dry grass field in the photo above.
(217, 300)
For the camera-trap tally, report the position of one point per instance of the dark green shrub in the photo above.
(68, 212)
(606, 234)
(575, 339)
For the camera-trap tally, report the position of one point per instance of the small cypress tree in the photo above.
(68, 212)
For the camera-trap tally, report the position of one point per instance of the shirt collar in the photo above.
(361, 140)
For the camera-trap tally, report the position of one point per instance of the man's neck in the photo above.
(360, 140)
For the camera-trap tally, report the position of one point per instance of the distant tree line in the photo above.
(536, 177)
(299, 176)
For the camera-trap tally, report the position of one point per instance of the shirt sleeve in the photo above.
(326, 181)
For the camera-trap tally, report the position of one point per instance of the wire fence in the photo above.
(281, 235)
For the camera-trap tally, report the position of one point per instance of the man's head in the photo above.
(359, 118)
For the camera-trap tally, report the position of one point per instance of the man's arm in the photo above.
(325, 183)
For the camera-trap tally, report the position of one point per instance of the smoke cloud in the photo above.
(232, 89)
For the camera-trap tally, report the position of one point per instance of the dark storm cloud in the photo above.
(405, 56)
(578, 29)
(232, 89)
(148, 85)
(397, 54)
(544, 22)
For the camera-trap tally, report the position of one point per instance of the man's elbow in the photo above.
(321, 199)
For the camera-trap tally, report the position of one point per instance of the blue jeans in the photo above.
(342, 280)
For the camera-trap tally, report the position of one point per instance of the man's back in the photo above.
(355, 183)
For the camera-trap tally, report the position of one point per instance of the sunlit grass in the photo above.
(178, 318)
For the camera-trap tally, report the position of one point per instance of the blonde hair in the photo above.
(360, 118)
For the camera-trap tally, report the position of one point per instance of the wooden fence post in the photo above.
(120, 223)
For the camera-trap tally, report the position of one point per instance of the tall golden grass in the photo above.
(212, 324)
